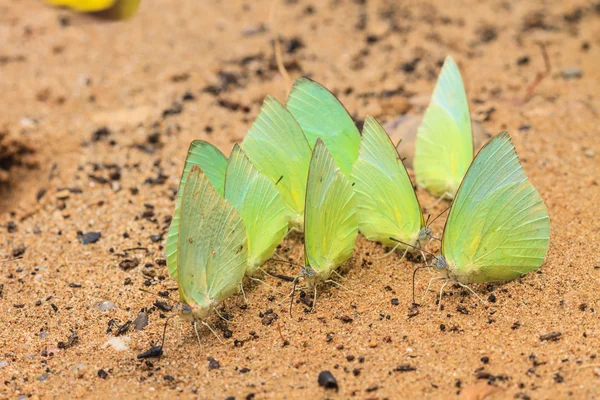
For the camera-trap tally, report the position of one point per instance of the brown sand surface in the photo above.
(64, 77)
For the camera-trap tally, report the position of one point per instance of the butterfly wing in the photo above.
(498, 227)
(84, 5)
(387, 203)
(115, 9)
(330, 221)
(212, 250)
(277, 147)
(213, 164)
(259, 204)
(321, 115)
(444, 145)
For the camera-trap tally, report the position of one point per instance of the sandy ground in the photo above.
(102, 106)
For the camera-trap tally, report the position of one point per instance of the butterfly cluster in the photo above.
(305, 166)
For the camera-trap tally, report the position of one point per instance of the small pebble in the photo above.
(104, 305)
(572, 73)
(327, 380)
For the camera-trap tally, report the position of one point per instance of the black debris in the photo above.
(154, 351)
(213, 364)
(405, 368)
(129, 263)
(327, 380)
(554, 336)
(71, 340)
(90, 237)
(141, 321)
(102, 374)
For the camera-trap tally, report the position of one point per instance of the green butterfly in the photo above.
(260, 205)
(321, 115)
(277, 147)
(498, 227)
(253, 195)
(214, 165)
(388, 209)
(212, 252)
(444, 145)
(330, 221)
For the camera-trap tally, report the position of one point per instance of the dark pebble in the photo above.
(213, 364)
(102, 374)
(90, 237)
(154, 351)
(492, 298)
(485, 360)
(551, 336)
(395, 302)
(327, 380)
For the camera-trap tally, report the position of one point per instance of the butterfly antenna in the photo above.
(427, 220)
(413, 282)
(278, 276)
(157, 295)
(162, 343)
(293, 291)
(413, 246)
(285, 262)
(439, 215)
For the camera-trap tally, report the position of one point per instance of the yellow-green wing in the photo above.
(330, 221)
(117, 9)
(498, 227)
(260, 206)
(321, 115)
(212, 250)
(277, 147)
(387, 203)
(214, 165)
(444, 145)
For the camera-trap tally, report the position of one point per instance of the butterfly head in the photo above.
(441, 263)
(425, 233)
(190, 313)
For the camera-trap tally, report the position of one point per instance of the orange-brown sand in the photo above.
(63, 77)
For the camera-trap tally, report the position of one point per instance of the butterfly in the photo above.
(212, 247)
(444, 144)
(330, 221)
(252, 194)
(214, 166)
(321, 115)
(498, 226)
(115, 9)
(388, 209)
(276, 145)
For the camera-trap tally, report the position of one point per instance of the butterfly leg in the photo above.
(471, 290)
(435, 278)
(197, 335)
(243, 293)
(314, 299)
(441, 293)
(388, 253)
(340, 285)
(213, 332)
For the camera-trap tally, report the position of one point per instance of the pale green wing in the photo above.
(212, 250)
(277, 147)
(498, 227)
(387, 203)
(260, 205)
(321, 115)
(214, 164)
(444, 146)
(330, 221)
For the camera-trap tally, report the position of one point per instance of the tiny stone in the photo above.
(572, 73)
(395, 302)
(90, 237)
(492, 298)
(63, 194)
(213, 364)
(102, 374)
(327, 380)
(373, 344)
(104, 305)
(141, 321)
(485, 360)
